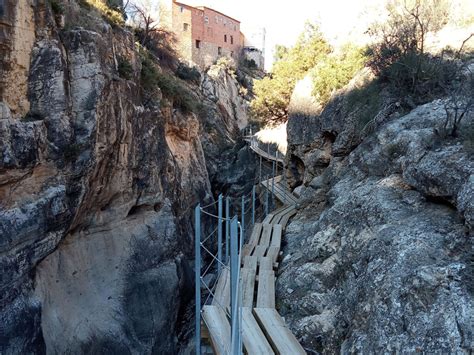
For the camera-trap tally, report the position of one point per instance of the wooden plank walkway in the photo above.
(263, 329)
(255, 147)
(280, 191)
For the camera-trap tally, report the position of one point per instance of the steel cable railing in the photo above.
(251, 209)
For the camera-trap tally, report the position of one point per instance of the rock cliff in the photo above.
(97, 189)
(379, 258)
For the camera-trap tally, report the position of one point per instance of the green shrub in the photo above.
(171, 88)
(188, 73)
(125, 69)
(335, 71)
(418, 78)
(273, 93)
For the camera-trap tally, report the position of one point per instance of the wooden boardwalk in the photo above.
(277, 186)
(263, 329)
(253, 143)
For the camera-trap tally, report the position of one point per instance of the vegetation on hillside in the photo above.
(406, 73)
(273, 93)
(412, 75)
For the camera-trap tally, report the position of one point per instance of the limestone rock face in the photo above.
(96, 198)
(379, 257)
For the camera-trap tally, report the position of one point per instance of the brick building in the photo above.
(205, 34)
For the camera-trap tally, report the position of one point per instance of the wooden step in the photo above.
(222, 293)
(254, 339)
(250, 262)
(266, 235)
(266, 264)
(218, 326)
(266, 289)
(276, 235)
(247, 283)
(254, 238)
(286, 218)
(279, 336)
(273, 253)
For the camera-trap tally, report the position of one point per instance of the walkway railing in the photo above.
(229, 228)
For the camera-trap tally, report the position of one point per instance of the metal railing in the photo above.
(231, 233)
(230, 240)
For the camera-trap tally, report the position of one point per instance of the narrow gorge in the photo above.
(113, 129)
(97, 187)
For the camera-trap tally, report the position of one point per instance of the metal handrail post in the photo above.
(266, 199)
(197, 274)
(273, 183)
(243, 222)
(253, 205)
(227, 228)
(219, 235)
(234, 266)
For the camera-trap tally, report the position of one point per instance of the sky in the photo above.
(340, 20)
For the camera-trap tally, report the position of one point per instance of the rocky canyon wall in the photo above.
(97, 190)
(379, 258)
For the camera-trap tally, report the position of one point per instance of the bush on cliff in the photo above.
(273, 93)
(399, 57)
(153, 79)
(335, 71)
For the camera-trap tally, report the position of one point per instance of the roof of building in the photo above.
(205, 7)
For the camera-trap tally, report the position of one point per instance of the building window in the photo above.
(231, 39)
(209, 31)
(232, 53)
(181, 9)
(225, 38)
(198, 44)
(219, 50)
(217, 19)
(206, 19)
(185, 26)
(235, 27)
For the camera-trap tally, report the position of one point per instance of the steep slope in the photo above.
(379, 257)
(96, 190)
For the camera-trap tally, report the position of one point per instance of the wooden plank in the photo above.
(266, 289)
(254, 339)
(276, 235)
(248, 248)
(219, 328)
(259, 251)
(286, 218)
(256, 231)
(222, 293)
(280, 337)
(273, 253)
(266, 263)
(266, 235)
(250, 262)
(268, 218)
(282, 213)
(247, 283)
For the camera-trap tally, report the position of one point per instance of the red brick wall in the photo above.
(214, 31)
(208, 26)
